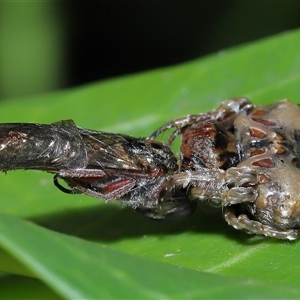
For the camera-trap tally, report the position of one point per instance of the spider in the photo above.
(242, 157)
(245, 158)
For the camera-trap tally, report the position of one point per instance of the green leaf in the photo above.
(19, 287)
(115, 252)
(89, 271)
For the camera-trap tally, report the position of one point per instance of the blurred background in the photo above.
(46, 46)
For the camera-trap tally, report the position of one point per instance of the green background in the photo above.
(79, 247)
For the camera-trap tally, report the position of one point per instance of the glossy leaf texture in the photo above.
(82, 247)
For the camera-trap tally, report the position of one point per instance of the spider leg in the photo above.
(177, 124)
(227, 110)
(235, 185)
(242, 222)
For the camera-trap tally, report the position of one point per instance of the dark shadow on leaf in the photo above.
(23, 287)
(108, 223)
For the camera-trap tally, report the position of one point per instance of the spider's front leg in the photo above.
(226, 112)
(242, 222)
(233, 186)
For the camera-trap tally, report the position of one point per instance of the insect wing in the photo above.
(120, 164)
(42, 147)
(109, 150)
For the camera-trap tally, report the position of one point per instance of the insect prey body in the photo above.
(242, 157)
(136, 171)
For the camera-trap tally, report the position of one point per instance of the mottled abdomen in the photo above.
(269, 139)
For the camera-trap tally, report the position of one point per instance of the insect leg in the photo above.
(94, 182)
(242, 222)
(81, 173)
(60, 187)
(112, 189)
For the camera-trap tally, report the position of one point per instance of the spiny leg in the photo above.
(232, 186)
(242, 222)
(227, 109)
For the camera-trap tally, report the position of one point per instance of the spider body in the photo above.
(260, 144)
(269, 139)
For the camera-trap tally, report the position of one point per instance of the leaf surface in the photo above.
(106, 244)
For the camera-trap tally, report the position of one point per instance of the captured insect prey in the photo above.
(241, 157)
